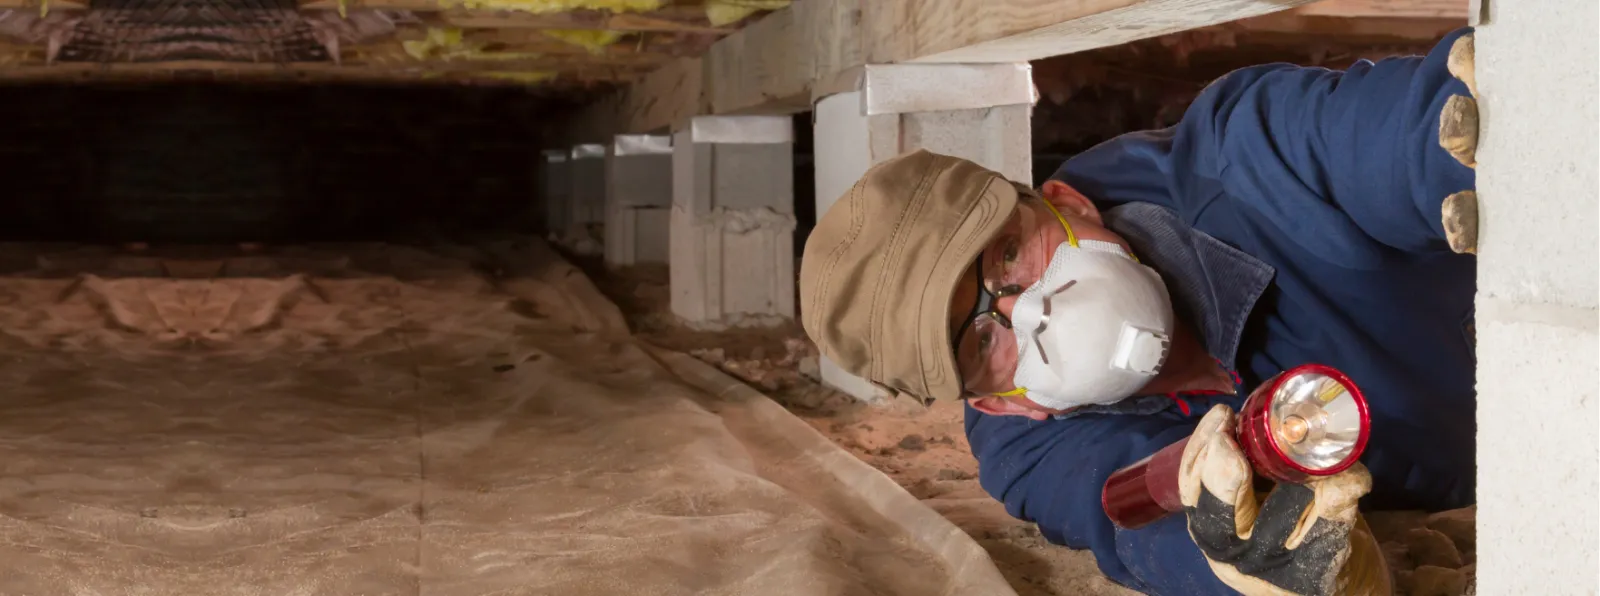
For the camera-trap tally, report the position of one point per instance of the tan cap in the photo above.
(881, 266)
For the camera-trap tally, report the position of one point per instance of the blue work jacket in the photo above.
(1296, 212)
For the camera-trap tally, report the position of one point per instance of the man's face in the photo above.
(1013, 260)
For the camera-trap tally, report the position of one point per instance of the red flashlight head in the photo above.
(1310, 420)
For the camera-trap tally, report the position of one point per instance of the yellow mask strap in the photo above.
(1013, 392)
(1072, 239)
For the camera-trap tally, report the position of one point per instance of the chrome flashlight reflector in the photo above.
(1316, 419)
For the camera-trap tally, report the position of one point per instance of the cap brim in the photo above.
(989, 214)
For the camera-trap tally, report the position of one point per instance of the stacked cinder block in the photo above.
(638, 199)
(1538, 483)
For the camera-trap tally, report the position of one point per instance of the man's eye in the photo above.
(1012, 249)
(984, 339)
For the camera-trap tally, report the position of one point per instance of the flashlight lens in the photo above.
(1315, 420)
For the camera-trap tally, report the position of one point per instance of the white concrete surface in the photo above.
(909, 88)
(586, 170)
(848, 141)
(741, 130)
(1538, 440)
(731, 254)
(638, 187)
(636, 235)
(554, 188)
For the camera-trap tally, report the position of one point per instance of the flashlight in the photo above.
(1308, 421)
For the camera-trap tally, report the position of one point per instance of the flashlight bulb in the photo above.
(1315, 420)
(1294, 429)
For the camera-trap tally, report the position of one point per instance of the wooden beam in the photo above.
(521, 41)
(54, 4)
(1022, 30)
(613, 22)
(772, 65)
(679, 19)
(655, 102)
(291, 71)
(391, 54)
(1294, 28)
(622, 69)
(1415, 9)
(760, 69)
(536, 42)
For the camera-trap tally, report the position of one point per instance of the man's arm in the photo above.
(1051, 473)
(1348, 163)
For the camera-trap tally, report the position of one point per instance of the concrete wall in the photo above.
(1538, 439)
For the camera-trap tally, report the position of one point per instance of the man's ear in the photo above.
(999, 406)
(1068, 199)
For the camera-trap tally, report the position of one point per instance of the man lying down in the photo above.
(1295, 215)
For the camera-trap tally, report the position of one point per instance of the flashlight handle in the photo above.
(1145, 491)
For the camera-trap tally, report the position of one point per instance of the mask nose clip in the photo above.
(1140, 350)
(1044, 320)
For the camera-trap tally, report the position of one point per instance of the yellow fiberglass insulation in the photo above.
(724, 12)
(448, 44)
(549, 6)
(438, 43)
(591, 39)
(527, 78)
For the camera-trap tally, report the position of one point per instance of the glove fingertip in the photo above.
(1458, 129)
(1460, 62)
(1459, 215)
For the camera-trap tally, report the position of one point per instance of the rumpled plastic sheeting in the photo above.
(374, 419)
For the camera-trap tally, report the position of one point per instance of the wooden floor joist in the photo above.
(773, 65)
(1350, 9)
(307, 71)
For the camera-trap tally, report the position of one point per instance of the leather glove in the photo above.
(1458, 134)
(1302, 539)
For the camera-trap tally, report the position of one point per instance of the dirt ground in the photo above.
(926, 452)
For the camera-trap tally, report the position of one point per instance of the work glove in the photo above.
(1307, 540)
(1458, 135)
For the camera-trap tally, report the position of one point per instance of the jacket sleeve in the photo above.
(1051, 473)
(1348, 163)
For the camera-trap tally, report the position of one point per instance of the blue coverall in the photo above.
(1334, 182)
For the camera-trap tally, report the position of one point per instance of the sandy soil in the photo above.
(925, 451)
(373, 419)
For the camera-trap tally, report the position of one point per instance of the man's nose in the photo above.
(1004, 305)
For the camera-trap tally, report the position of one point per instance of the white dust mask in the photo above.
(1093, 330)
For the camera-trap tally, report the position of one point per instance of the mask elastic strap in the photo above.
(1072, 239)
(1013, 392)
